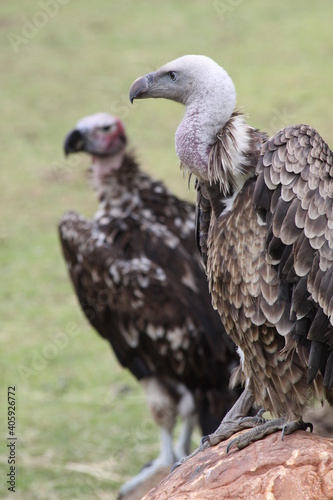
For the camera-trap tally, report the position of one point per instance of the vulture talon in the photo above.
(204, 440)
(296, 425)
(231, 444)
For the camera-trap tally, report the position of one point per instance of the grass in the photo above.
(82, 424)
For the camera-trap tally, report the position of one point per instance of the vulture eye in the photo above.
(106, 128)
(172, 75)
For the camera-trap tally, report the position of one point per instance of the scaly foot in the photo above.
(229, 427)
(269, 427)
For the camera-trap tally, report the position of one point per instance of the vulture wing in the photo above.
(294, 197)
(143, 290)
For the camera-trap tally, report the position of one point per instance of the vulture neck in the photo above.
(216, 148)
(113, 176)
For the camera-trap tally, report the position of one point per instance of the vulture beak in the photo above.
(74, 142)
(141, 87)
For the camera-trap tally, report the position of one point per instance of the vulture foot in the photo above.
(269, 427)
(229, 427)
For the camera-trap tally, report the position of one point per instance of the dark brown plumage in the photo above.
(265, 232)
(140, 282)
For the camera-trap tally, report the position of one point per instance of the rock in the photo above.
(299, 467)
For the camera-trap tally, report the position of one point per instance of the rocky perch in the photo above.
(299, 467)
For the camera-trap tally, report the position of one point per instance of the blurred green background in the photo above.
(82, 423)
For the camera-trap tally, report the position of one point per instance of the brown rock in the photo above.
(299, 467)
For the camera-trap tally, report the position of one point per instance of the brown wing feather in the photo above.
(298, 164)
(255, 272)
(150, 307)
(254, 306)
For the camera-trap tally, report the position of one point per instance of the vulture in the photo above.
(140, 282)
(264, 228)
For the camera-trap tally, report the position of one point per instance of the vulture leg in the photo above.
(163, 461)
(165, 403)
(182, 447)
(269, 427)
(235, 420)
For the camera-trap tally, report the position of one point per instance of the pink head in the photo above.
(100, 134)
(103, 136)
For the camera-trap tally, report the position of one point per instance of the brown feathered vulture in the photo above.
(265, 232)
(139, 280)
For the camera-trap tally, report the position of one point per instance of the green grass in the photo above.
(77, 410)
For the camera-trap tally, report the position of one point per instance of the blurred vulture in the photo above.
(265, 233)
(139, 280)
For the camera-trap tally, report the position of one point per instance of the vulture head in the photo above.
(103, 136)
(209, 95)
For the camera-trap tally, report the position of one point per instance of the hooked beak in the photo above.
(141, 87)
(74, 142)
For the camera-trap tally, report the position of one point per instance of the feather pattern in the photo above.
(266, 261)
(306, 225)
